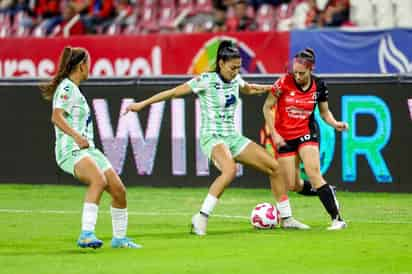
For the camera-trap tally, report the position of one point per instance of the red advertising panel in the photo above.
(119, 56)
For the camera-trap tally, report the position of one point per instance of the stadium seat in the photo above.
(149, 17)
(300, 14)
(186, 6)
(384, 14)
(265, 17)
(360, 13)
(18, 28)
(204, 6)
(403, 12)
(133, 26)
(5, 25)
(167, 14)
(188, 28)
(283, 17)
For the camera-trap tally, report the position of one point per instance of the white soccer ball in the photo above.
(264, 216)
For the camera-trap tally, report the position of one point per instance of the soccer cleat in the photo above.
(124, 243)
(337, 225)
(199, 224)
(89, 240)
(292, 223)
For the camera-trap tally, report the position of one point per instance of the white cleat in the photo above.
(292, 223)
(199, 224)
(337, 225)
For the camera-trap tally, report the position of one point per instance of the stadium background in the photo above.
(369, 66)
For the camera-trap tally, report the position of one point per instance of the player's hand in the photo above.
(341, 126)
(135, 107)
(81, 142)
(278, 141)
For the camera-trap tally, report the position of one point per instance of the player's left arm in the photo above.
(251, 89)
(328, 117)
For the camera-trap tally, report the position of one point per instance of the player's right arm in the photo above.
(59, 120)
(270, 102)
(63, 102)
(178, 91)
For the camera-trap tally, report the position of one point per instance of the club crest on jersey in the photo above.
(292, 93)
(230, 100)
(64, 97)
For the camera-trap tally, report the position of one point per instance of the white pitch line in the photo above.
(136, 213)
(51, 211)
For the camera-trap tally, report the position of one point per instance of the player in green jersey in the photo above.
(218, 93)
(75, 151)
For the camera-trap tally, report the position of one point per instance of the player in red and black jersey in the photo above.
(293, 130)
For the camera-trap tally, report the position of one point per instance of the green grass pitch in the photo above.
(39, 226)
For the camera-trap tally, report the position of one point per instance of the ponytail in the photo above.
(69, 58)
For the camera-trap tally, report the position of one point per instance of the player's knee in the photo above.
(229, 172)
(99, 182)
(119, 193)
(273, 168)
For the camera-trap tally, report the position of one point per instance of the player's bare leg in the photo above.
(255, 156)
(223, 160)
(118, 211)
(87, 172)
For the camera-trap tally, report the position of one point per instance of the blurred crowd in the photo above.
(76, 17)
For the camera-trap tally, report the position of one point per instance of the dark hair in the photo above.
(69, 59)
(227, 50)
(307, 54)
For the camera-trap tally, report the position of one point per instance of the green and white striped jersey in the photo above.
(218, 102)
(77, 114)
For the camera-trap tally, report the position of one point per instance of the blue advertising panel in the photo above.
(383, 51)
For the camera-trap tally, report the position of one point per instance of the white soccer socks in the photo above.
(89, 216)
(119, 221)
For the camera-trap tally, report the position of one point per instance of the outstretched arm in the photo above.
(251, 89)
(178, 91)
(328, 117)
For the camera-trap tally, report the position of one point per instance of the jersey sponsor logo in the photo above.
(291, 100)
(230, 100)
(298, 113)
(64, 97)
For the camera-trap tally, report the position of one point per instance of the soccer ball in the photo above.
(264, 216)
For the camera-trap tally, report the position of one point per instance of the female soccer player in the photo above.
(75, 151)
(293, 131)
(219, 95)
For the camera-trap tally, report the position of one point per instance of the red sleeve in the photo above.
(277, 86)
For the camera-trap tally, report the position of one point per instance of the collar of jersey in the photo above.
(223, 79)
